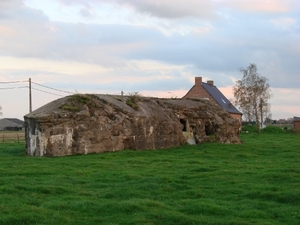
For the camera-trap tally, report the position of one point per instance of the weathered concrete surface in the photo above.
(82, 124)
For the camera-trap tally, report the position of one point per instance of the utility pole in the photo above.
(30, 97)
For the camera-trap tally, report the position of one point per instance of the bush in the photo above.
(272, 130)
(133, 100)
(250, 128)
(75, 103)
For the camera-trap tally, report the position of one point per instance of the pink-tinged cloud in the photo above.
(284, 22)
(165, 94)
(201, 30)
(261, 5)
(6, 31)
(284, 102)
(227, 91)
(284, 111)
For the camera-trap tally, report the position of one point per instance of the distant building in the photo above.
(209, 91)
(296, 123)
(12, 124)
(268, 121)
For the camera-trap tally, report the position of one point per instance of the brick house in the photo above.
(212, 93)
(296, 123)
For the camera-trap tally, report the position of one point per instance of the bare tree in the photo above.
(252, 94)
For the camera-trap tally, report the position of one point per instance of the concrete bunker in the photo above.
(82, 124)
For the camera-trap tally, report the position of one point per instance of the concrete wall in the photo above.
(106, 124)
(89, 136)
(48, 142)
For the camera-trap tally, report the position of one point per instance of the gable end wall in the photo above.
(236, 116)
(198, 92)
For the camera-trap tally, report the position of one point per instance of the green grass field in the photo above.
(257, 182)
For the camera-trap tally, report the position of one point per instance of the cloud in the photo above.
(157, 8)
(153, 47)
(271, 6)
(215, 49)
(173, 9)
(178, 9)
(26, 32)
(6, 6)
(284, 102)
(32, 34)
(201, 30)
(6, 31)
(85, 13)
(137, 75)
(284, 22)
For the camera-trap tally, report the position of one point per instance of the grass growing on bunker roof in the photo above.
(133, 99)
(76, 103)
(256, 182)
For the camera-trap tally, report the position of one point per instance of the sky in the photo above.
(152, 47)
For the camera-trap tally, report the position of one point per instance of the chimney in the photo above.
(210, 82)
(198, 81)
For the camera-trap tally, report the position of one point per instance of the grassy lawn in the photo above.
(257, 182)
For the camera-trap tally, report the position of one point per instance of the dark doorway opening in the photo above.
(209, 130)
(183, 122)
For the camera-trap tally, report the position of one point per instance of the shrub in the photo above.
(272, 130)
(76, 102)
(250, 128)
(133, 100)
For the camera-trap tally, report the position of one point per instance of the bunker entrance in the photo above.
(183, 122)
(209, 130)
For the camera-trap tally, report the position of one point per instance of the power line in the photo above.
(11, 82)
(13, 88)
(46, 92)
(30, 88)
(53, 88)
